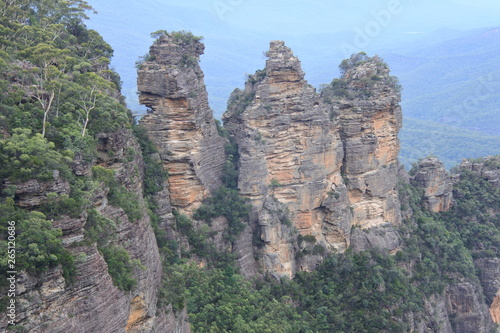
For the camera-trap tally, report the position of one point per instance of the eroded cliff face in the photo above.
(290, 156)
(329, 163)
(432, 177)
(179, 121)
(370, 119)
(93, 303)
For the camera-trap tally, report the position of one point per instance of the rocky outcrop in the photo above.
(290, 156)
(467, 308)
(33, 193)
(488, 168)
(367, 99)
(430, 175)
(381, 237)
(329, 160)
(489, 275)
(179, 120)
(92, 303)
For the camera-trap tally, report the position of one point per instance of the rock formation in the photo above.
(290, 156)
(93, 303)
(466, 307)
(179, 120)
(489, 268)
(370, 119)
(330, 164)
(430, 175)
(319, 169)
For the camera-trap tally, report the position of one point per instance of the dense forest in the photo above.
(57, 93)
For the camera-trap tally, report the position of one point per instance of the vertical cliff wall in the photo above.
(290, 156)
(329, 160)
(179, 120)
(370, 119)
(92, 303)
(430, 175)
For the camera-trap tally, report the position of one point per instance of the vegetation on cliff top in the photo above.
(57, 92)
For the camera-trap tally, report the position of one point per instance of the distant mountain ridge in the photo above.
(440, 71)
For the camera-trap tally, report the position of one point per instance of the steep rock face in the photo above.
(489, 269)
(92, 303)
(370, 118)
(431, 176)
(467, 308)
(33, 193)
(180, 122)
(290, 155)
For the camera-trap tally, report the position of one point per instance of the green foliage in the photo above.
(38, 245)
(337, 89)
(309, 239)
(352, 292)
(225, 202)
(475, 215)
(394, 83)
(120, 266)
(154, 173)
(56, 72)
(239, 100)
(143, 59)
(118, 195)
(184, 37)
(259, 75)
(99, 229)
(274, 184)
(354, 61)
(437, 251)
(24, 156)
(361, 87)
(157, 34)
(199, 243)
(188, 61)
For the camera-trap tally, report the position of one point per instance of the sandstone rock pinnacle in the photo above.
(180, 122)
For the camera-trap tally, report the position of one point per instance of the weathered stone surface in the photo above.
(384, 237)
(486, 167)
(180, 122)
(33, 193)
(278, 257)
(430, 175)
(489, 269)
(289, 148)
(464, 304)
(434, 318)
(92, 303)
(331, 161)
(370, 118)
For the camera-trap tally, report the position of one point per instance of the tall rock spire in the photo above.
(179, 120)
(370, 119)
(290, 158)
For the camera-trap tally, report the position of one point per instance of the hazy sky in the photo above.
(238, 31)
(301, 16)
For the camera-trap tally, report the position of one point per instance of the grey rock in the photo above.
(430, 175)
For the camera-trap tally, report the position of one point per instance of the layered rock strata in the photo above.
(93, 303)
(179, 120)
(370, 119)
(290, 155)
(329, 163)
